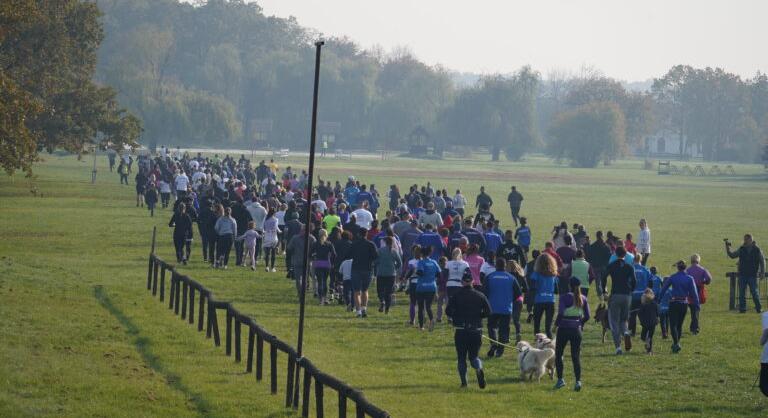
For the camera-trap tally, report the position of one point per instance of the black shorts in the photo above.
(361, 280)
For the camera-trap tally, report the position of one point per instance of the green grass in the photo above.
(81, 336)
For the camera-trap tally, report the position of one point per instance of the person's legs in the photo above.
(413, 302)
(441, 300)
(764, 378)
(649, 338)
(239, 253)
(743, 294)
(633, 309)
(188, 247)
(421, 301)
(576, 353)
(549, 313)
(460, 341)
(538, 309)
(664, 322)
(203, 241)
(560, 343)
(676, 317)
(178, 243)
(389, 283)
(493, 327)
(517, 309)
(272, 255)
(380, 293)
(694, 328)
(644, 260)
(227, 248)
(257, 251)
(503, 333)
(428, 299)
(322, 283)
(614, 318)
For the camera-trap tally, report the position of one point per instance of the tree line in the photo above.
(221, 73)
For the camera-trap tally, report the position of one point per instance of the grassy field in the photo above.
(82, 337)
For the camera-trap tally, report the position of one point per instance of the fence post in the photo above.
(174, 289)
(292, 368)
(259, 357)
(305, 397)
(342, 405)
(155, 269)
(149, 271)
(184, 290)
(162, 285)
(237, 340)
(359, 410)
(273, 366)
(249, 357)
(154, 237)
(177, 295)
(229, 333)
(200, 315)
(318, 399)
(154, 281)
(191, 305)
(214, 323)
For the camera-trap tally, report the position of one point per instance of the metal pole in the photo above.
(93, 172)
(311, 174)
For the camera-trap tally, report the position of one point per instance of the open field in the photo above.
(81, 336)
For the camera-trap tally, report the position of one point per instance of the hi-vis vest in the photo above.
(580, 269)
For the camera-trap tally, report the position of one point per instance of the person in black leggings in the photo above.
(519, 274)
(572, 314)
(182, 227)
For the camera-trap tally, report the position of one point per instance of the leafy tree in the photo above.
(588, 134)
(47, 61)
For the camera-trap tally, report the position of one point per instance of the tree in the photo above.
(588, 134)
(47, 62)
(499, 112)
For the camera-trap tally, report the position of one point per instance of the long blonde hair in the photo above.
(322, 236)
(514, 268)
(456, 254)
(546, 265)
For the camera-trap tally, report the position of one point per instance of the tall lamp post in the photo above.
(307, 222)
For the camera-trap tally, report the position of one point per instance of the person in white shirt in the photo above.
(319, 203)
(181, 182)
(363, 216)
(459, 202)
(198, 178)
(644, 241)
(346, 275)
(258, 214)
(457, 267)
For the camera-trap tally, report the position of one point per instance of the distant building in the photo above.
(665, 144)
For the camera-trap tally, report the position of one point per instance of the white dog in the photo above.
(533, 361)
(542, 342)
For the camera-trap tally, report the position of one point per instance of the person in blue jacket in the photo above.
(544, 280)
(523, 235)
(642, 282)
(350, 194)
(656, 282)
(364, 196)
(430, 238)
(426, 287)
(683, 290)
(501, 289)
(492, 240)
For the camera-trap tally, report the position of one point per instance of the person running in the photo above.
(122, 170)
(296, 250)
(572, 314)
(271, 240)
(751, 268)
(544, 280)
(141, 180)
(483, 199)
(622, 283)
(683, 289)
(427, 271)
(597, 255)
(649, 318)
(475, 262)
(151, 197)
(226, 228)
(387, 265)
(642, 282)
(580, 269)
(502, 290)
(523, 235)
(182, 227)
(516, 270)
(702, 279)
(412, 280)
(323, 254)
(363, 254)
(515, 200)
(459, 202)
(467, 308)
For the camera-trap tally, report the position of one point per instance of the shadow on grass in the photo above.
(144, 347)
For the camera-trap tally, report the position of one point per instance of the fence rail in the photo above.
(182, 292)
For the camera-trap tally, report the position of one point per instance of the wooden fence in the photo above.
(181, 299)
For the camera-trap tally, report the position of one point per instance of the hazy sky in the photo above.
(628, 40)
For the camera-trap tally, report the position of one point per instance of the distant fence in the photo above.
(735, 293)
(181, 299)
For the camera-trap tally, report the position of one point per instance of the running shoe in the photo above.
(560, 384)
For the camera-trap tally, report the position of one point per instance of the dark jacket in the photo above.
(649, 314)
(511, 251)
(622, 278)
(750, 260)
(597, 254)
(467, 308)
(363, 253)
(241, 216)
(182, 224)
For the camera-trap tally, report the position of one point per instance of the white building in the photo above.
(665, 144)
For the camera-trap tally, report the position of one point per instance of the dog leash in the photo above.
(499, 343)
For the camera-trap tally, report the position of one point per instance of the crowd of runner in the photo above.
(429, 244)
